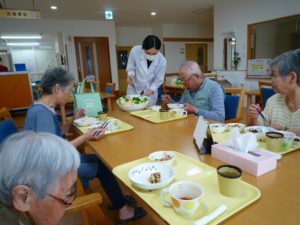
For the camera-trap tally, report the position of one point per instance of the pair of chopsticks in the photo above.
(103, 127)
(262, 115)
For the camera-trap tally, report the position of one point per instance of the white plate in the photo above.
(129, 105)
(259, 131)
(230, 126)
(175, 106)
(296, 142)
(86, 121)
(162, 157)
(140, 174)
(217, 127)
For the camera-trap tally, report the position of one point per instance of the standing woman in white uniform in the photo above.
(146, 69)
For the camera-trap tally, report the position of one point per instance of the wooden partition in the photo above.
(15, 90)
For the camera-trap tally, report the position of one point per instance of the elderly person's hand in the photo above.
(253, 111)
(166, 99)
(190, 108)
(95, 134)
(80, 113)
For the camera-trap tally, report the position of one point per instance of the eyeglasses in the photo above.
(70, 197)
(188, 79)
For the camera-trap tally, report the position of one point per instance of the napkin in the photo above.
(241, 142)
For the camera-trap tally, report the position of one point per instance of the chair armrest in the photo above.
(84, 202)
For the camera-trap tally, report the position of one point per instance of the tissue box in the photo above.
(255, 165)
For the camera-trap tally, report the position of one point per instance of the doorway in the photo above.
(197, 53)
(92, 57)
(122, 57)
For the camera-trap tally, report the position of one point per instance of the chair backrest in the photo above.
(7, 127)
(110, 88)
(234, 104)
(4, 114)
(266, 91)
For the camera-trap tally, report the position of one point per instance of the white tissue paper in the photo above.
(241, 142)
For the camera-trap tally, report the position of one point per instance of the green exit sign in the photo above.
(109, 15)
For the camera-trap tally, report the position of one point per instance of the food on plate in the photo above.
(217, 127)
(165, 157)
(154, 178)
(253, 130)
(127, 100)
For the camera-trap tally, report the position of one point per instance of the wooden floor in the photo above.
(94, 186)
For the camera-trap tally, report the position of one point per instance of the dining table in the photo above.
(280, 189)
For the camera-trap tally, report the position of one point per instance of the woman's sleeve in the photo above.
(159, 75)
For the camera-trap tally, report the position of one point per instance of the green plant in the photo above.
(236, 59)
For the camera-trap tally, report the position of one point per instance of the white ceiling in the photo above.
(126, 12)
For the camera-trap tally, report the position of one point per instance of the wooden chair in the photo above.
(4, 114)
(234, 104)
(212, 76)
(266, 91)
(88, 205)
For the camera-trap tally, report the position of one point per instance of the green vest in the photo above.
(202, 97)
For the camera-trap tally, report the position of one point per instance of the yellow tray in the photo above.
(221, 137)
(187, 168)
(123, 127)
(154, 116)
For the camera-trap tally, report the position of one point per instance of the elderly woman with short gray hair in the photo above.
(282, 110)
(57, 84)
(37, 178)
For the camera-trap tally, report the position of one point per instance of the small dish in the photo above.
(162, 157)
(140, 175)
(86, 121)
(217, 127)
(175, 106)
(230, 126)
(288, 139)
(259, 131)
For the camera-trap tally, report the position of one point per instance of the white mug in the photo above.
(185, 197)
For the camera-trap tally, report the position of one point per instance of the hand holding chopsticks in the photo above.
(266, 121)
(102, 127)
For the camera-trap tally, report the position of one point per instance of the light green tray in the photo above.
(222, 137)
(189, 169)
(154, 116)
(123, 127)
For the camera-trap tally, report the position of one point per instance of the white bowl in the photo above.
(288, 139)
(128, 104)
(175, 106)
(217, 127)
(162, 157)
(86, 121)
(259, 131)
(140, 174)
(230, 126)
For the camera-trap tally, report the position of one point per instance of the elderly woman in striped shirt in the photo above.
(283, 108)
(202, 96)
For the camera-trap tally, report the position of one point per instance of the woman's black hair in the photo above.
(151, 41)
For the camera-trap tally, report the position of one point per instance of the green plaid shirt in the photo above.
(9, 216)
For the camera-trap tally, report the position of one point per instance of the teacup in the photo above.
(179, 112)
(164, 114)
(229, 180)
(274, 140)
(185, 197)
(102, 116)
(288, 139)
